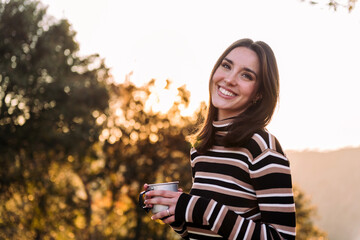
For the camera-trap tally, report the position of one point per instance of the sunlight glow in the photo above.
(316, 48)
(161, 98)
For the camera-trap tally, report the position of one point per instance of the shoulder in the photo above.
(263, 141)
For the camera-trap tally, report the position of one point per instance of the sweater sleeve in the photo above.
(271, 178)
(179, 228)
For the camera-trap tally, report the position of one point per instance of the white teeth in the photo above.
(226, 92)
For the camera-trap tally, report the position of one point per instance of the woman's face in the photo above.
(235, 82)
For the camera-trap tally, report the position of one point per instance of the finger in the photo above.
(149, 205)
(146, 186)
(161, 193)
(163, 215)
(159, 200)
(180, 190)
(169, 220)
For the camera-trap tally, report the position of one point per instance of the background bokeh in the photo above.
(97, 98)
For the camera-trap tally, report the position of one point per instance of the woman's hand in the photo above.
(163, 197)
(146, 186)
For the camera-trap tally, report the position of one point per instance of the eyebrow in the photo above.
(246, 69)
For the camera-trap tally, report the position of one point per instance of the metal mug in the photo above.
(170, 186)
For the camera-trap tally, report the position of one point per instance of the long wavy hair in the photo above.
(258, 115)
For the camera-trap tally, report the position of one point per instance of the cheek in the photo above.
(213, 84)
(218, 75)
(212, 89)
(250, 90)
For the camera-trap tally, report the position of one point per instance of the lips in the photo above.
(226, 92)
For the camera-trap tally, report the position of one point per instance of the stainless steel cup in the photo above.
(170, 186)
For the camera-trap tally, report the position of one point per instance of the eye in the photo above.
(225, 65)
(247, 76)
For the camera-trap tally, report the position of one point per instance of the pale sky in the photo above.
(317, 50)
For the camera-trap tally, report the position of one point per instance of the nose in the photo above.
(230, 79)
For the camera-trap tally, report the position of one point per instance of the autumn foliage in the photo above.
(75, 147)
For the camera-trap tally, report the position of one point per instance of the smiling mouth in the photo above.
(226, 92)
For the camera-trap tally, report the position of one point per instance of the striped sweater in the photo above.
(238, 193)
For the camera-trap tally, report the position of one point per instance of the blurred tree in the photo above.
(335, 4)
(49, 100)
(305, 212)
(142, 146)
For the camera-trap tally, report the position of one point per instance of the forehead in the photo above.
(244, 57)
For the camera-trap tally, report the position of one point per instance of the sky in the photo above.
(317, 50)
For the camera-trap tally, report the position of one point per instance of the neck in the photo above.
(226, 115)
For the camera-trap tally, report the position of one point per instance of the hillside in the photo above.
(332, 180)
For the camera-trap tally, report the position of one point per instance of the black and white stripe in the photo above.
(239, 193)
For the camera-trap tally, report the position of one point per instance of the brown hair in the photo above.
(256, 116)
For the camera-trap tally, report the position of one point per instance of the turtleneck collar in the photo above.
(223, 123)
(221, 128)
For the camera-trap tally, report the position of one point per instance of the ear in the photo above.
(257, 98)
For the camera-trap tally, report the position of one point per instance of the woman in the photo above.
(242, 185)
